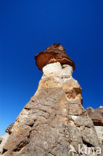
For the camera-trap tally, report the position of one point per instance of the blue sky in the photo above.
(28, 27)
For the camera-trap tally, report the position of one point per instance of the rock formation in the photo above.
(97, 117)
(54, 53)
(3, 140)
(54, 122)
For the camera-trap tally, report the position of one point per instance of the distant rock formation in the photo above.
(97, 117)
(54, 122)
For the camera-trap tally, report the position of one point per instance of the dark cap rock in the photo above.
(54, 53)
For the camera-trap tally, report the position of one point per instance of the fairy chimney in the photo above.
(54, 122)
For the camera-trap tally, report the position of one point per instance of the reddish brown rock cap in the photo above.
(54, 53)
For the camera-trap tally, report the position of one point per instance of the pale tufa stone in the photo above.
(56, 69)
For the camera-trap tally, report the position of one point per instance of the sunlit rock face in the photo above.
(53, 122)
(99, 130)
(56, 69)
(3, 141)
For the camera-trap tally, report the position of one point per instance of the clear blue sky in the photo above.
(29, 26)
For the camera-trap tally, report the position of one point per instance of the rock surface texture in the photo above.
(54, 122)
(97, 117)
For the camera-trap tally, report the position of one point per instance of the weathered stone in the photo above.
(54, 53)
(99, 130)
(54, 122)
(97, 117)
(9, 129)
(3, 140)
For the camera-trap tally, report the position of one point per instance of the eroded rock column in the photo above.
(54, 122)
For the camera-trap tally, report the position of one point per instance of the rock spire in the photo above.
(53, 122)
